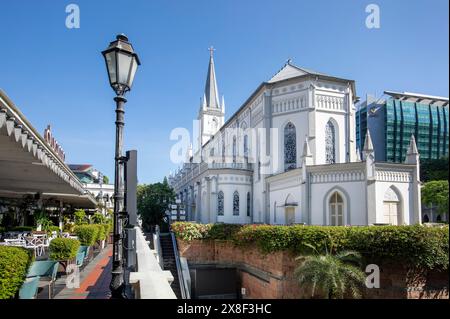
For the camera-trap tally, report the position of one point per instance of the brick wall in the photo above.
(272, 275)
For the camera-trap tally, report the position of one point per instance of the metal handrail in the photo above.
(183, 290)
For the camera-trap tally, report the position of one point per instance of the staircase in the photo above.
(169, 262)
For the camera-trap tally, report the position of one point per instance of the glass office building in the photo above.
(392, 120)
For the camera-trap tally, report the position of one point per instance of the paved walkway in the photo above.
(94, 280)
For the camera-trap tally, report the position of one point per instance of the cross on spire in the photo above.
(211, 50)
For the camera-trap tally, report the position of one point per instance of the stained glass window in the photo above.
(220, 204)
(330, 143)
(290, 147)
(248, 204)
(236, 203)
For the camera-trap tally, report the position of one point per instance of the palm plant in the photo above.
(334, 275)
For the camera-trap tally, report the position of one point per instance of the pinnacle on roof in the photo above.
(211, 92)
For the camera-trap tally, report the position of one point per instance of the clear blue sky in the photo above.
(57, 75)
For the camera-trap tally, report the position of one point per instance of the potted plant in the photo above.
(64, 250)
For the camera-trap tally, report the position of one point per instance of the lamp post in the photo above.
(121, 63)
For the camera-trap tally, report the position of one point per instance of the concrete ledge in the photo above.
(149, 281)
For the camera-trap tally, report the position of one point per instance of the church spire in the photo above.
(211, 92)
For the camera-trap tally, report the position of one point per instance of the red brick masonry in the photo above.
(271, 276)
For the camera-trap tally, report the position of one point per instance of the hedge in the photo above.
(63, 248)
(101, 234)
(87, 234)
(107, 228)
(14, 263)
(416, 245)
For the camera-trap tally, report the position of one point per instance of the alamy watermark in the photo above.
(73, 17)
(73, 276)
(373, 19)
(236, 146)
(373, 277)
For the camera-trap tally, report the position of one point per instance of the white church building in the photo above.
(288, 155)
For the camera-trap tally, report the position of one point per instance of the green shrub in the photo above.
(101, 234)
(107, 228)
(87, 234)
(97, 218)
(415, 245)
(14, 263)
(52, 229)
(63, 248)
(223, 231)
(69, 227)
(80, 217)
(2, 229)
(191, 231)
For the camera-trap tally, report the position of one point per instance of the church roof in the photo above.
(211, 92)
(289, 70)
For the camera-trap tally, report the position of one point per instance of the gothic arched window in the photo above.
(336, 210)
(223, 151)
(248, 204)
(246, 147)
(236, 203)
(330, 143)
(220, 204)
(234, 149)
(290, 147)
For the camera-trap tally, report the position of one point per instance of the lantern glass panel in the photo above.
(124, 61)
(133, 69)
(111, 63)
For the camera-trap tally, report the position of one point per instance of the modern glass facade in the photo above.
(400, 119)
(361, 126)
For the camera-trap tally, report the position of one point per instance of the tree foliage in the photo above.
(152, 202)
(436, 193)
(434, 170)
(331, 276)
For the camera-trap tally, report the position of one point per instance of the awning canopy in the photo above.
(76, 201)
(28, 164)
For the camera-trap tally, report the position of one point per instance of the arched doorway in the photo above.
(336, 204)
(391, 206)
(289, 210)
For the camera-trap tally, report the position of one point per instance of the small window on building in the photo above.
(234, 149)
(236, 203)
(330, 143)
(248, 204)
(220, 201)
(290, 147)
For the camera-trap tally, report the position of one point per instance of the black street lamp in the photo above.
(121, 63)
